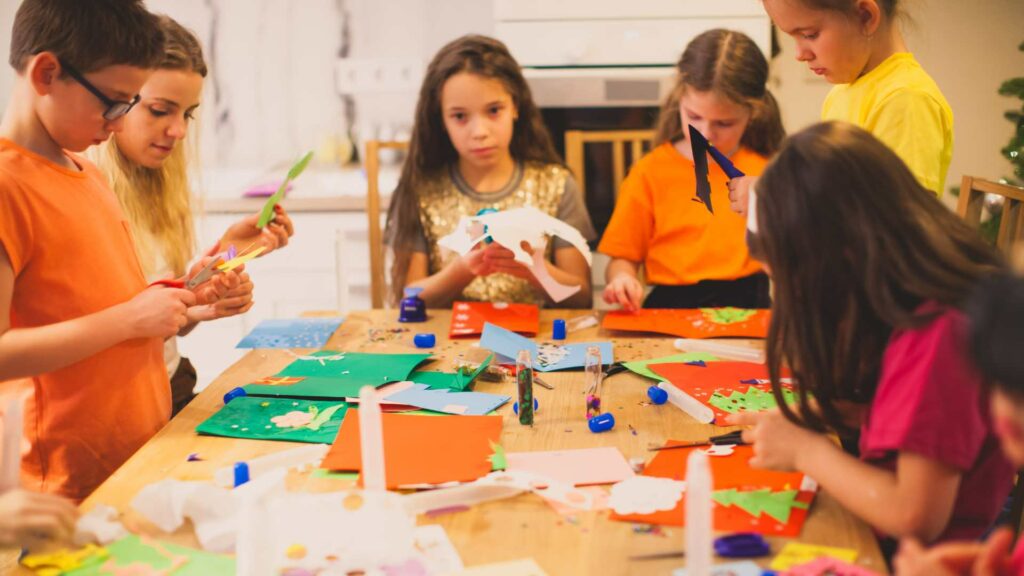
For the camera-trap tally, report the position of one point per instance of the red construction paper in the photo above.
(468, 318)
(723, 377)
(732, 471)
(687, 323)
(422, 449)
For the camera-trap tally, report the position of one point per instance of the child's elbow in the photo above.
(925, 525)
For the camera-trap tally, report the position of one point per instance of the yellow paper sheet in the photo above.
(797, 553)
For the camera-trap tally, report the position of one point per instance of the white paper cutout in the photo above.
(511, 228)
(497, 486)
(721, 450)
(100, 525)
(645, 495)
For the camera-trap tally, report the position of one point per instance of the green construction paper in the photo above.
(341, 375)
(147, 555)
(727, 315)
(458, 381)
(777, 505)
(753, 400)
(247, 417)
(641, 366)
(267, 214)
(498, 460)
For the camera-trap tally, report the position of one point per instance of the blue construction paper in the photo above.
(476, 403)
(508, 344)
(291, 333)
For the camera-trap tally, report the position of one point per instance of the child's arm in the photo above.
(623, 284)
(914, 501)
(440, 289)
(244, 233)
(155, 312)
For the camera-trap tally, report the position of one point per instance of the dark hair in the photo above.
(431, 150)
(854, 244)
(996, 315)
(889, 7)
(87, 34)
(730, 64)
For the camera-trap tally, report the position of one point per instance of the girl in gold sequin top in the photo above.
(479, 142)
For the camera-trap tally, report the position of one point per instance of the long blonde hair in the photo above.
(157, 202)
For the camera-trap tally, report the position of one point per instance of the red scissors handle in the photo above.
(169, 283)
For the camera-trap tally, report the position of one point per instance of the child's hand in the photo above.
(158, 312)
(275, 235)
(237, 300)
(994, 558)
(626, 290)
(943, 560)
(503, 260)
(777, 442)
(30, 519)
(739, 192)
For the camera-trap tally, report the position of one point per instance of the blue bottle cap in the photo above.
(558, 329)
(241, 473)
(515, 406)
(657, 395)
(601, 422)
(483, 211)
(424, 340)
(234, 393)
(412, 291)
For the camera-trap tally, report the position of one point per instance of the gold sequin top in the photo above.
(444, 201)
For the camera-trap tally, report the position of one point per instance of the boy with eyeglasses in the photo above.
(78, 324)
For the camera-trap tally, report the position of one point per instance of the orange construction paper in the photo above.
(724, 377)
(422, 449)
(687, 323)
(732, 471)
(468, 318)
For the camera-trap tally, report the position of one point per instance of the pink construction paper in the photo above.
(581, 467)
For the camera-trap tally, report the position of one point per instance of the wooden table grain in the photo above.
(521, 527)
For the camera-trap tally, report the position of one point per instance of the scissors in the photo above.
(205, 274)
(735, 437)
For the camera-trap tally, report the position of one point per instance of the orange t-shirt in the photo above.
(72, 255)
(659, 222)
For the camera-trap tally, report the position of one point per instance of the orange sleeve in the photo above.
(15, 224)
(631, 228)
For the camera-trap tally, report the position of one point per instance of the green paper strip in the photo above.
(267, 214)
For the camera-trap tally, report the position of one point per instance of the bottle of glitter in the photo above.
(524, 381)
(592, 374)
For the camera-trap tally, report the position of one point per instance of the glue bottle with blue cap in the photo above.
(413, 308)
(524, 385)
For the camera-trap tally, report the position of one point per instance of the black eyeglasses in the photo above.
(115, 108)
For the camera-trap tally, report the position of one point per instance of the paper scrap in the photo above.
(797, 553)
(579, 467)
(645, 495)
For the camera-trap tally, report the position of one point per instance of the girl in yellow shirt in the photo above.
(879, 85)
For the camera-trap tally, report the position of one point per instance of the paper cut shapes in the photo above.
(293, 333)
(457, 381)
(464, 403)
(241, 259)
(328, 374)
(692, 323)
(422, 449)
(508, 344)
(646, 495)
(828, 567)
(277, 419)
(267, 213)
(643, 367)
(468, 318)
(779, 505)
(725, 387)
(734, 473)
(512, 228)
(139, 555)
(579, 467)
(797, 553)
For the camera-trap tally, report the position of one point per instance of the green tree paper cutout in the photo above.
(777, 505)
(727, 315)
(498, 460)
(268, 209)
(753, 400)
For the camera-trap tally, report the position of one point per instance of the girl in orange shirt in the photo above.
(691, 257)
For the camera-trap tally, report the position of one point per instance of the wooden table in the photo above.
(521, 527)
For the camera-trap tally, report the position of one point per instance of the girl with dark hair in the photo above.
(871, 274)
(479, 142)
(692, 257)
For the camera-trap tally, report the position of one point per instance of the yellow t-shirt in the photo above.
(902, 106)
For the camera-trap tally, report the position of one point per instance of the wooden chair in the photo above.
(972, 200)
(378, 281)
(576, 140)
